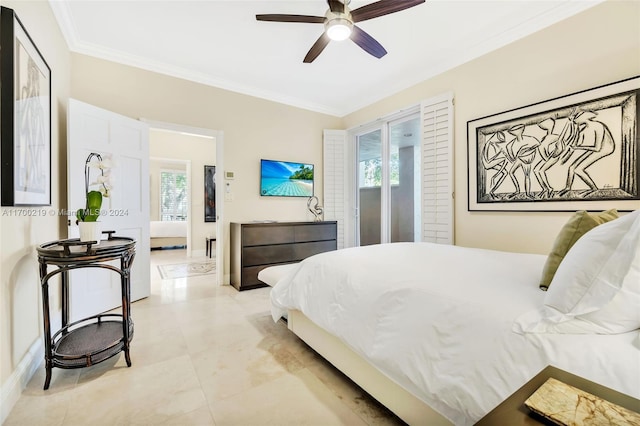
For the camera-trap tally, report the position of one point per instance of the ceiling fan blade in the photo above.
(381, 8)
(367, 43)
(317, 48)
(291, 18)
(336, 6)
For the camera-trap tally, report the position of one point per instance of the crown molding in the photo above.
(549, 17)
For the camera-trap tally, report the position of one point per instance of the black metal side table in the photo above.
(209, 246)
(93, 339)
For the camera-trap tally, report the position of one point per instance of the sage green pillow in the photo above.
(578, 225)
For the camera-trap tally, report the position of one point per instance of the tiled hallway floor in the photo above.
(202, 355)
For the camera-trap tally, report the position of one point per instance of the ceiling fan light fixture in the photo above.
(339, 29)
(339, 24)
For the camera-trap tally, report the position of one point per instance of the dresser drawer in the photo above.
(319, 232)
(250, 275)
(304, 250)
(266, 235)
(262, 255)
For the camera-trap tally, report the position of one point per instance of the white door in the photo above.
(126, 211)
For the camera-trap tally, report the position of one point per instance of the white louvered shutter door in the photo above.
(334, 158)
(437, 169)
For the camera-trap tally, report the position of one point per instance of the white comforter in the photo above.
(438, 321)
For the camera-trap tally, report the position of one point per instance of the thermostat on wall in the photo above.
(228, 175)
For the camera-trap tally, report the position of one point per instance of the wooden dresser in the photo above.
(257, 245)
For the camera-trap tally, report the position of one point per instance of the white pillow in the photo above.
(597, 290)
(596, 267)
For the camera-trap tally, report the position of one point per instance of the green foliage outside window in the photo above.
(173, 196)
(372, 171)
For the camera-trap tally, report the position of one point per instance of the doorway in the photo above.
(170, 202)
(199, 148)
(388, 181)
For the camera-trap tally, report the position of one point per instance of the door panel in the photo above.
(126, 211)
(369, 152)
(404, 179)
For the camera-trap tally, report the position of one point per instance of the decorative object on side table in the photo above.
(87, 217)
(315, 208)
(25, 112)
(566, 405)
(513, 411)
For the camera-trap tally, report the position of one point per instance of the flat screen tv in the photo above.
(285, 179)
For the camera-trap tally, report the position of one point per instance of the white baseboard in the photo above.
(17, 381)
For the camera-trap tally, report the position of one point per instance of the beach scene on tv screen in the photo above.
(286, 179)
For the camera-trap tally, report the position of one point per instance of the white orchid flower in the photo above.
(104, 185)
(103, 179)
(106, 192)
(106, 163)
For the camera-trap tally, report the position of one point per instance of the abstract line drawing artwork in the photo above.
(30, 133)
(578, 152)
(26, 117)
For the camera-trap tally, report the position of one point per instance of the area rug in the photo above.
(183, 270)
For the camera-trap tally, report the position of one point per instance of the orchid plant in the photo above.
(93, 203)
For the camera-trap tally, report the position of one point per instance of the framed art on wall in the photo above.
(576, 152)
(209, 193)
(25, 116)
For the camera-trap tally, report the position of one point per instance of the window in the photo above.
(370, 170)
(173, 195)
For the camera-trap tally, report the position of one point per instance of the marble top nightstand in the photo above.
(513, 412)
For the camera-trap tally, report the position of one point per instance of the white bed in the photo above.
(444, 324)
(168, 233)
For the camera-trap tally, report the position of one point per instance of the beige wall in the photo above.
(596, 47)
(253, 128)
(20, 307)
(198, 151)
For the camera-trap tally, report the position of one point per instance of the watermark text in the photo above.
(43, 212)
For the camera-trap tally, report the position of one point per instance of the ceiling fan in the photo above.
(339, 23)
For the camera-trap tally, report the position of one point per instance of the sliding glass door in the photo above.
(388, 183)
(404, 179)
(369, 148)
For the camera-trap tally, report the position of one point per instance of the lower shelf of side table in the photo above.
(78, 346)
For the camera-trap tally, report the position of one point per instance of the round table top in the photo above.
(88, 250)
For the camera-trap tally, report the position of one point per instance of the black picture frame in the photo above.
(575, 152)
(25, 117)
(209, 193)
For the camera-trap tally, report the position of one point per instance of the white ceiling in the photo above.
(220, 43)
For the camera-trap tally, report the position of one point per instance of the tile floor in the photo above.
(202, 355)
